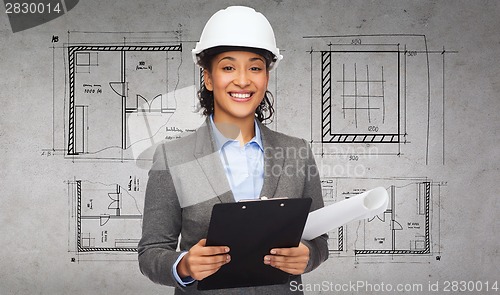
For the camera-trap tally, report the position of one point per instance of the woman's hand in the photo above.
(202, 261)
(290, 260)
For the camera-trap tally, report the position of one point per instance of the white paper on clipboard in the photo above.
(364, 205)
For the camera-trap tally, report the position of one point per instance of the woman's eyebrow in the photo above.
(234, 59)
(228, 58)
(257, 58)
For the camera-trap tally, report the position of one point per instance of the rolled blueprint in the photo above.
(365, 205)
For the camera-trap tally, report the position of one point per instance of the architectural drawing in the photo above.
(123, 69)
(409, 226)
(104, 218)
(119, 99)
(360, 101)
(120, 94)
(122, 99)
(369, 90)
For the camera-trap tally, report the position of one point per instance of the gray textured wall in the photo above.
(35, 211)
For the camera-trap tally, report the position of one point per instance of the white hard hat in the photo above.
(238, 26)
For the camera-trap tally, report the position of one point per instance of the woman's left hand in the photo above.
(291, 260)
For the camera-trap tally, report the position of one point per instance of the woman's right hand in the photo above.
(202, 261)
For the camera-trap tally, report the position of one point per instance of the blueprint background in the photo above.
(34, 206)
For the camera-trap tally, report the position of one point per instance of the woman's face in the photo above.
(239, 81)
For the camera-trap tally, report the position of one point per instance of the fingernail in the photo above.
(226, 249)
(267, 258)
(228, 258)
(273, 251)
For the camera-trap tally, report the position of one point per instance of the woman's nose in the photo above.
(242, 79)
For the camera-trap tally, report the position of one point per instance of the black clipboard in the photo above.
(251, 229)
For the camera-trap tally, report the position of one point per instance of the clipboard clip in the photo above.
(263, 198)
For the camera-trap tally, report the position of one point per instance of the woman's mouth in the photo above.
(241, 96)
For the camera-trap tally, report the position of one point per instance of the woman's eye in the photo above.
(227, 68)
(255, 68)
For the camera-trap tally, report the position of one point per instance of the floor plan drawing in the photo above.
(360, 101)
(409, 226)
(118, 95)
(123, 98)
(104, 218)
(123, 69)
(376, 90)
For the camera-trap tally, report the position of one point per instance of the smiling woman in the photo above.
(238, 80)
(232, 157)
(265, 110)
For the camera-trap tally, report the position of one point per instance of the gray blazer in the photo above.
(187, 178)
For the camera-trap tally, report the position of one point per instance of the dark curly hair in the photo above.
(264, 111)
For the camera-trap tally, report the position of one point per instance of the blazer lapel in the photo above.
(209, 160)
(273, 162)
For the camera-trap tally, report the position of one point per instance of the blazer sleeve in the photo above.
(318, 247)
(161, 225)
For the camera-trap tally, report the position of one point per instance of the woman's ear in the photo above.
(207, 78)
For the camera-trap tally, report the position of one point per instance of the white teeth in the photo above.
(240, 95)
